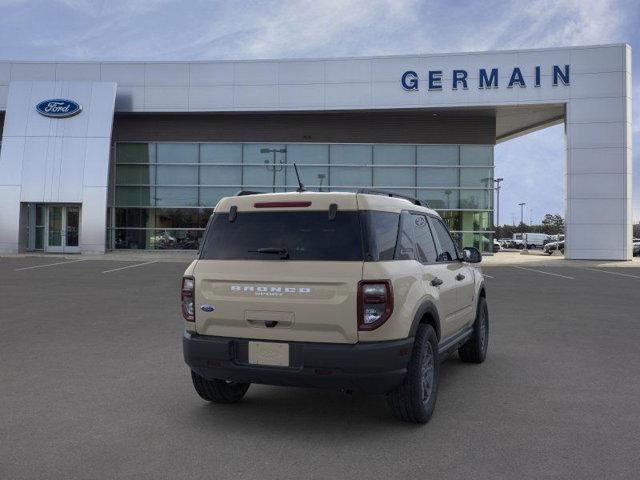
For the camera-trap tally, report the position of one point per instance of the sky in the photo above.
(532, 165)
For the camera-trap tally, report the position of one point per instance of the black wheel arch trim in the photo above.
(427, 307)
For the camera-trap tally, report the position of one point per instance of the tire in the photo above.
(219, 391)
(415, 400)
(475, 349)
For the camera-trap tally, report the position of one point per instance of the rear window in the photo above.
(308, 235)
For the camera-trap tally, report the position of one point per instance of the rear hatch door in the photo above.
(280, 272)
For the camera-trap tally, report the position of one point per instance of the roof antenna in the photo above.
(300, 184)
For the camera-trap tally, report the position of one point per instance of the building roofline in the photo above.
(321, 59)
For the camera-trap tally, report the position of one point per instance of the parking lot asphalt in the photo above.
(93, 385)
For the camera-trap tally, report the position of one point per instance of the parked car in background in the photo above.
(496, 246)
(506, 242)
(533, 240)
(636, 247)
(553, 246)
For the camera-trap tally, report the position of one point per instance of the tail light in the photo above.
(187, 299)
(375, 303)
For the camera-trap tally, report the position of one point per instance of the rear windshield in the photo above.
(310, 235)
(306, 235)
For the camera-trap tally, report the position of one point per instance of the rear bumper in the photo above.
(375, 367)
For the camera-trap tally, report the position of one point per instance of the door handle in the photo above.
(436, 282)
(460, 277)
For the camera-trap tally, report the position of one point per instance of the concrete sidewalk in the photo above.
(536, 257)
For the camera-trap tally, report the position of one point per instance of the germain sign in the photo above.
(58, 108)
(487, 78)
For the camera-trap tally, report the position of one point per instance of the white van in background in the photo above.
(532, 240)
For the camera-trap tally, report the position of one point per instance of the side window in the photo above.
(425, 247)
(405, 246)
(448, 251)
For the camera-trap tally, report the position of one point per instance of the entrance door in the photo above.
(63, 228)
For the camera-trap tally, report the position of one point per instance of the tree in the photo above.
(553, 220)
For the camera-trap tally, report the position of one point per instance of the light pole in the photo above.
(524, 240)
(274, 166)
(497, 181)
(448, 194)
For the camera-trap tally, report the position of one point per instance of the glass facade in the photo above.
(164, 193)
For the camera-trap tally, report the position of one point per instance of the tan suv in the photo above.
(356, 291)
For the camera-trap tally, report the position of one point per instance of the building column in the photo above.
(598, 204)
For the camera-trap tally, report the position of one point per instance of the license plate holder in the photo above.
(273, 354)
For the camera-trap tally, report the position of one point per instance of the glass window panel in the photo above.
(40, 216)
(203, 216)
(39, 238)
(301, 154)
(452, 219)
(210, 196)
(476, 177)
(134, 217)
(476, 199)
(398, 176)
(214, 175)
(177, 152)
(351, 176)
(135, 196)
(440, 199)
(135, 153)
(176, 196)
(482, 241)
(177, 217)
(261, 176)
(135, 174)
(351, 155)
(175, 239)
(221, 153)
(438, 155)
(447, 251)
(177, 175)
(313, 177)
(425, 248)
(470, 221)
(394, 177)
(131, 239)
(476, 155)
(381, 232)
(394, 154)
(438, 177)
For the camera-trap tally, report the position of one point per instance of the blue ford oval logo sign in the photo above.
(207, 308)
(58, 108)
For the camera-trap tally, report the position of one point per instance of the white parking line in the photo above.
(545, 273)
(130, 266)
(487, 276)
(49, 265)
(611, 273)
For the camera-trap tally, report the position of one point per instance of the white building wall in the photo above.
(56, 160)
(598, 106)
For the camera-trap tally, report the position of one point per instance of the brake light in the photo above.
(375, 303)
(281, 204)
(187, 299)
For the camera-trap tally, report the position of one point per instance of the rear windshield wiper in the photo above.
(284, 254)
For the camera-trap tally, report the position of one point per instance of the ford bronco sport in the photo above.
(356, 291)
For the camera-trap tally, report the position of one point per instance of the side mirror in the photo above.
(471, 255)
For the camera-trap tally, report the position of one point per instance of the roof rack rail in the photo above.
(385, 193)
(242, 193)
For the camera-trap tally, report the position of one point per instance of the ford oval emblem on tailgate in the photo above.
(207, 308)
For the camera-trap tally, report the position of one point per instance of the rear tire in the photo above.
(219, 391)
(415, 400)
(475, 349)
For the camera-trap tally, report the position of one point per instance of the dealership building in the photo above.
(99, 156)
